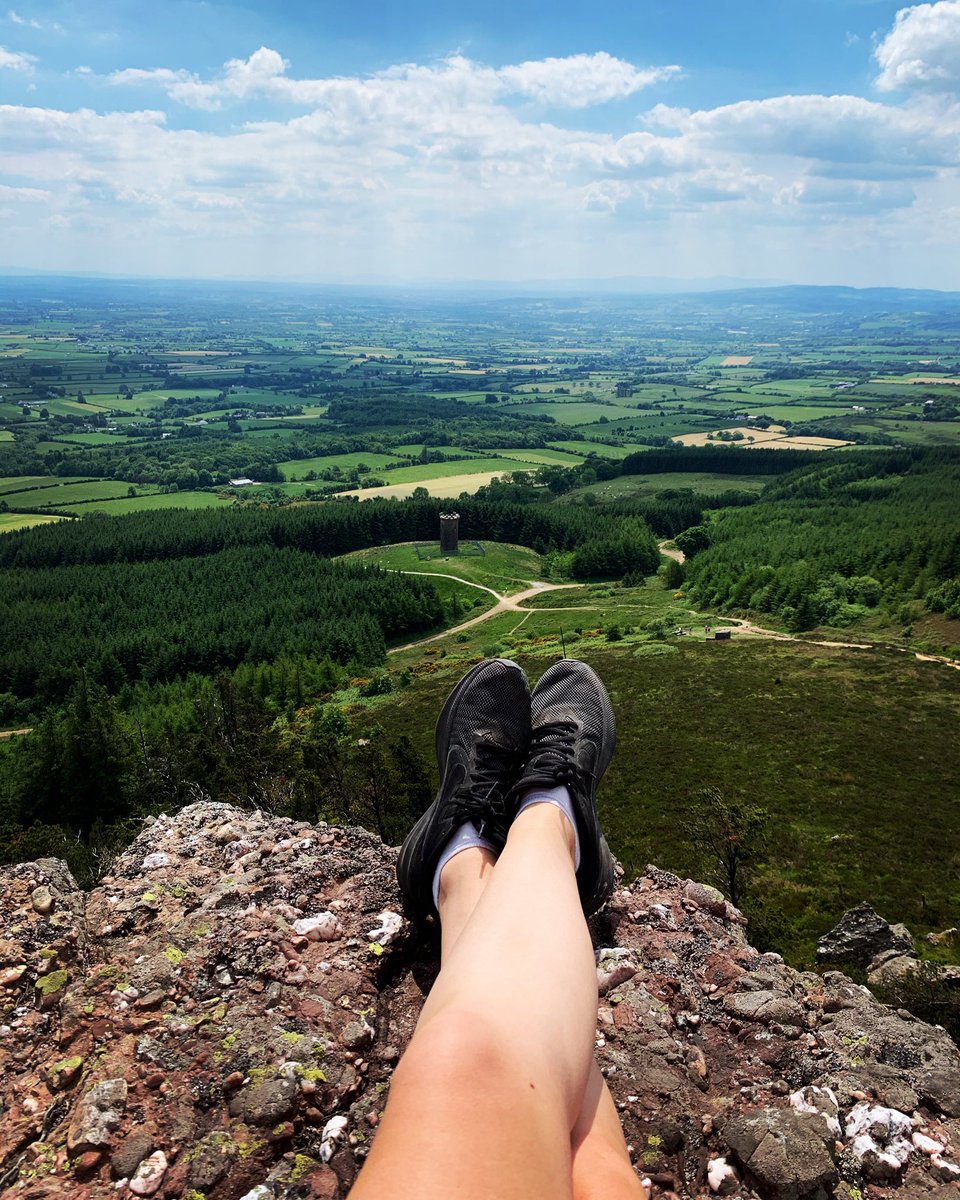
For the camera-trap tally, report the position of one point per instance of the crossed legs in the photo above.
(498, 1093)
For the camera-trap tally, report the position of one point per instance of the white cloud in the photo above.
(577, 81)
(15, 18)
(14, 60)
(846, 129)
(581, 79)
(23, 193)
(452, 166)
(848, 197)
(922, 51)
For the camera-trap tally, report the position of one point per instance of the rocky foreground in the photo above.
(220, 1018)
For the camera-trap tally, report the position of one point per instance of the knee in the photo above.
(457, 1047)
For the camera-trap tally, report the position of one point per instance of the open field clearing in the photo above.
(9, 522)
(755, 435)
(423, 472)
(147, 399)
(414, 449)
(77, 493)
(737, 360)
(63, 406)
(773, 438)
(797, 412)
(808, 443)
(602, 449)
(25, 483)
(448, 486)
(297, 468)
(571, 412)
(949, 380)
(93, 438)
(547, 457)
(112, 403)
(503, 567)
(708, 483)
(129, 504)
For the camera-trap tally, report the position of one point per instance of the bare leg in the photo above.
(462, 882)
(601, 1162)
(485, 1098)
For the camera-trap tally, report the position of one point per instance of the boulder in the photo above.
(860, 935)
(788, 1153)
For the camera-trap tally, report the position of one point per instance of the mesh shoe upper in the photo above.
(482, 735)
(572, 740)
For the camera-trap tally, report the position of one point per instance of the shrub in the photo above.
(926, 994)
(379, 684)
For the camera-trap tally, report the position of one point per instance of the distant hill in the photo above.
(720, 292)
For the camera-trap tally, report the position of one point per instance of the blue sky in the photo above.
(811, 141)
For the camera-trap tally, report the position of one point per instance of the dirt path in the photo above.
(672, 552)
(9, 733)
(513, 603)
(510, 603)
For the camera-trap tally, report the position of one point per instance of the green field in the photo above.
(150, 397)
(148, 503)
(296, 468)
(702, 715)
(548, 457)
(614, 452)
(63, 494)
(414, 449)
(709, 483)
(797, 412)
(426, 471)
(502, 567)
(575, 412)
(11, 521)
(24, 483)
(92, 438)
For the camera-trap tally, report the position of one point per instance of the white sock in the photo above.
(560, 798)
(465, 837)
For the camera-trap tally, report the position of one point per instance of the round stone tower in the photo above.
(449, 533)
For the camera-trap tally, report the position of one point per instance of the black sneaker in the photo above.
(572, 741)
(482, 736)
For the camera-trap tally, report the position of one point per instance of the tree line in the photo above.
(836, 539)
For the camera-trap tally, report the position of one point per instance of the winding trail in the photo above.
(505, 603)
(513, 602)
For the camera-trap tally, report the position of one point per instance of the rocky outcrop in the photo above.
(862, 936)
(221, 1016)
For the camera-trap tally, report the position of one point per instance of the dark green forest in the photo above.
(835, 539)
(156, 597)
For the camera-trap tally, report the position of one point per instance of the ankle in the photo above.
(542, 821)
(467, 870)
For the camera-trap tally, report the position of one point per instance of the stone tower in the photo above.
(449, 533)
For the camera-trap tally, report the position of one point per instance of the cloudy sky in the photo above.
(808, 141)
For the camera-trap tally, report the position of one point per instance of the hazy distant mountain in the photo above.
(714, 293)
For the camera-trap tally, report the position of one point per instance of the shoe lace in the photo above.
(553, 751)
(480, 798)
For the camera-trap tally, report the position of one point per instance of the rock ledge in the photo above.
(219, 1020)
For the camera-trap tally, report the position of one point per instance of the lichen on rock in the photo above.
(214, 1024)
